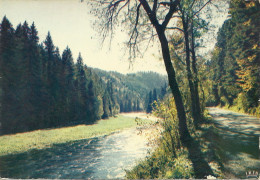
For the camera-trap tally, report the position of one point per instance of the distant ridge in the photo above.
(139, 83)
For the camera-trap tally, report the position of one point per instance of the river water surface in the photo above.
(99, 158)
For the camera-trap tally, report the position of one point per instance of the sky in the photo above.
(71, 24)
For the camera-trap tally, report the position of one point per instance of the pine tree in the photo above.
(36, 82)
(235, 60)
(155, 95)
(41, 89)
(81, 86)
(8, 76)
(106, 109)
(150, 101)
(67, 85)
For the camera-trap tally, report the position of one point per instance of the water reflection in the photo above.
(98, 158)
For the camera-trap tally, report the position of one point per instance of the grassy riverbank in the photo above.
(40, 139)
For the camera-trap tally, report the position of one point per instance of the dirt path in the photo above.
(237, 142)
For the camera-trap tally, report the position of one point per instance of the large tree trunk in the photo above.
(195, 74)
(160, 29)
(189, 74)
(184, 133)
(216, 94)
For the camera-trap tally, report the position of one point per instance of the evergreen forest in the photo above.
(43, 88)
(234, 69)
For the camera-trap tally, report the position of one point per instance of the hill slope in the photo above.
(134, 86)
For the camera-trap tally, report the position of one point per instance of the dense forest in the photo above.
(41, 88)
(134, 90)
(233, 71)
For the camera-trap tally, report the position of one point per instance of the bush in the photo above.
(163, 166)
(169, 160)
(241, 102)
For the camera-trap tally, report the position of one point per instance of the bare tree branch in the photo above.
(175, 28)
(127, 2)
(201, 8)
(155, 5)
(132, 43)
(172, 10)
(192, 4)
(150, 13)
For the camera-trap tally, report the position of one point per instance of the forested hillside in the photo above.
(43, 88)
(133, 89)
(234, 69)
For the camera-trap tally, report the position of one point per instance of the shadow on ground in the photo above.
(200, 165)
(236, 140)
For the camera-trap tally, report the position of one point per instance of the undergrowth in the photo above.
(255, 111)
(170, 159)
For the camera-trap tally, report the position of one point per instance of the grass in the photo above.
(40, 139)
(252, 112)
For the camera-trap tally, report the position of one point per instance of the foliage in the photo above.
(153, 97)
(170, 159)
(234, 66)
(162, 166)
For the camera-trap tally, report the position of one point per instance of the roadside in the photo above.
(236, 141)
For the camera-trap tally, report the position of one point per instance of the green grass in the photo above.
(252, 111)
(40, 139)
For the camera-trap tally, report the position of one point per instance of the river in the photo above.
(98, 158)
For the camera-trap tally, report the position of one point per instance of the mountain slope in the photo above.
(134, 86)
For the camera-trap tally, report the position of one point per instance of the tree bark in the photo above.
(189, 73)
(195, 74)
(183, 129)
(160, 29)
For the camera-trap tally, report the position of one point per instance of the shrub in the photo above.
(169, 160)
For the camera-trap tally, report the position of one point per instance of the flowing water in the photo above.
(99, 158)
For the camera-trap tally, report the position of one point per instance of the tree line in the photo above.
(131, 90)
(41, 88)
(153, 96)
(234, 68)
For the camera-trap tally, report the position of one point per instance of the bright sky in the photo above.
(70, 24)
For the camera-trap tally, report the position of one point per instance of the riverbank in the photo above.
(105, 157)
(40, 139)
